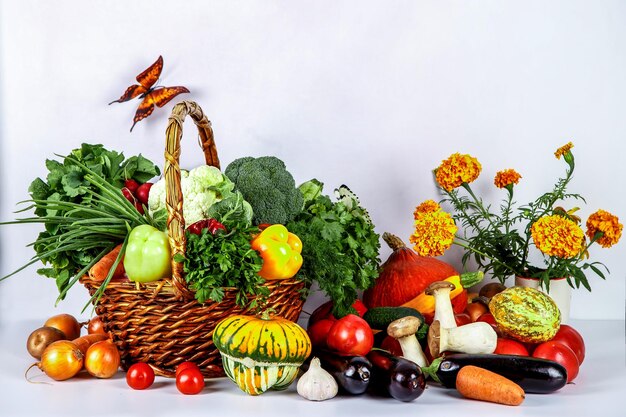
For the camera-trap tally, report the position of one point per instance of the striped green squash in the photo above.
(526, 314)
(261, 353)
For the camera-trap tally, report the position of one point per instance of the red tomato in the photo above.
(510, 347)
(488, 318)
(140, 376)
(350, 335)
(558, 352)
(462, 318)
(318, 332)
(572, 339)
(392, 345)
(324, 311)
(190, 381)
(186, 365)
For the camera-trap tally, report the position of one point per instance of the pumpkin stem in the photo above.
(393, 241)
(268, 313)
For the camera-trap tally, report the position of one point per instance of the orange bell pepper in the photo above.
(280, 250)
(425, 304)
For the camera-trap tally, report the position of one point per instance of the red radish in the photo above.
(132, 185)
(143, 192)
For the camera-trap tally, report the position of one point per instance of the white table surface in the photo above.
(599, 390)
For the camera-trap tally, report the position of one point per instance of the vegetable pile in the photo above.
(104, 216)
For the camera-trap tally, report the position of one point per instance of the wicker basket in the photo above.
(161, 323)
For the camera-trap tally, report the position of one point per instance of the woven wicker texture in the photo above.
(161, 323)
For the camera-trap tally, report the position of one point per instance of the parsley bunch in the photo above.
(339, 246)
(223, 259)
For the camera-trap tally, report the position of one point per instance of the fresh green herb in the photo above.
(83, 211)
(223, 259)
(339, 247)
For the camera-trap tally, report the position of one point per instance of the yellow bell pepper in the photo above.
(280, 250)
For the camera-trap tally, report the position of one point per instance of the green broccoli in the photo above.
(270, 189)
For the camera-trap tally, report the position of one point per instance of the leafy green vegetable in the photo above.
(215, 261)
(232, 211)
(269, 188)
(340, 249)
(83, 210)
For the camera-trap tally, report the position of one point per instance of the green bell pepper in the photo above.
(148, 256)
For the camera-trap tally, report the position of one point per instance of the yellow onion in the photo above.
(102, 359)
(66, 323)
(61, 360)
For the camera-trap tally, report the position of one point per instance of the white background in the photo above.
(370, 94)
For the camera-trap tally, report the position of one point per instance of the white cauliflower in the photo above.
(202, 187)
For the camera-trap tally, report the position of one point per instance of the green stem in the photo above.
(459, 243)
(478, 203)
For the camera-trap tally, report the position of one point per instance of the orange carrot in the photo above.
(100, 270)
(480, 384)
(87, 340)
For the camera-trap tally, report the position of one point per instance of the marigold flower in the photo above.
(563, 150)
(428, 206)
(606, 223)
(434, 233)
(456, 170)
(506, 177)
(558, 236)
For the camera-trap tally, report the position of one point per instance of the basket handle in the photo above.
(173, 191)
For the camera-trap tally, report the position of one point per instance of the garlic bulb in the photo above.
(316, 384)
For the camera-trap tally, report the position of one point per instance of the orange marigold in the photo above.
(606, 223)
(558, 236)
(563, 150)
(506, 177)
(434, 233)
(428, 206)
(456, 170)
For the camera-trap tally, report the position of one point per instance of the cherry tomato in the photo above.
(510, 347)
(350, 335)
(140, 376)
(572, 339)
(190, 381)
(324, 311)
(186, 365)
(318, 332)
(560, 353)
(462, 318)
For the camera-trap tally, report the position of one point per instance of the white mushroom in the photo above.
(403, 330)
(478, 337)
(444, 312)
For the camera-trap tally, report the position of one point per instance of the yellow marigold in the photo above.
(456, 170)
(428, 206)
(558, 236)
(506, 177)
(434, 233)
(606, 223)
(563, 150)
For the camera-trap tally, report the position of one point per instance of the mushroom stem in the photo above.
(403, 330)
(478, 337)
(444, 313)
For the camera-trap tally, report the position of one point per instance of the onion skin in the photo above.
(66, 323)
(95, 326)
(102, 359)
(61, 360)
